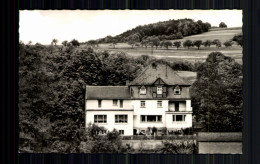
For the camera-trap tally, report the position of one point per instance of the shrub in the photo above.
(188, 131)
(177, 147)
(228, 43)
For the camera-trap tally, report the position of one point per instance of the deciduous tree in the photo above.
(187, 43)
(197, 43)
(177, 44)
(217, 94)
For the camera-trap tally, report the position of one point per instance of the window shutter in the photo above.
(164, 89)
(154, 89)
(154, 94)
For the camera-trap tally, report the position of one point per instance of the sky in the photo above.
(44, 25)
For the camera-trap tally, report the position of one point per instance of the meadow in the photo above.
(193, 54)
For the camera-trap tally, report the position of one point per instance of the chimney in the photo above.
(127, 82)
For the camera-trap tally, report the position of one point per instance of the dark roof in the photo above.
(107, 92)
(154, 71)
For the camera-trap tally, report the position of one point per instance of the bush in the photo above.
(228, 43)
(178, 147)
(188, 131)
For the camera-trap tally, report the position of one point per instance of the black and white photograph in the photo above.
(130, 81)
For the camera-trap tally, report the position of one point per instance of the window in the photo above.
(121, 103)
(143, 90)
(100, 118)
(159, 104)
(114, 102)
(177, 90)
(151, 118)
(178, 118)
(121, 132)
(120, 118)
(142, 104)
(159, 90)
(99, 103)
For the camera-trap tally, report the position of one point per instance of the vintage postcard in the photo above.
(130, 81)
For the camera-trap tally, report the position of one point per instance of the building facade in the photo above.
(158, 98)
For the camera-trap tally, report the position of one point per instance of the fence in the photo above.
(152, 137)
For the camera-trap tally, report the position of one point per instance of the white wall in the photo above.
(110, 125)
(108, 104)
(134, 117)
(150, 109)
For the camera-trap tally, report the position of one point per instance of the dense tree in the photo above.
(145, 43)
(169, 30)
(197, 43)
(74, 42)
(217, 43)
(154, 41)
(29, 43)
(64, 43)
(187, 43)
(166, 44)
(222, 25)
(54, 41)
(217, 94)
(177, 44)
(227, 43)
(133, 39)
(238, 38)
(179, 35)
(207, 43)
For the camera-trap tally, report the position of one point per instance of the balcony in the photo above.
(185, 109)
(111, 108)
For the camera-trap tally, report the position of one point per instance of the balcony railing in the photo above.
(180, 110)
(106, 107)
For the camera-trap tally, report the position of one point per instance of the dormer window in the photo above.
(143, 90)
(177, 90)
(159, 90)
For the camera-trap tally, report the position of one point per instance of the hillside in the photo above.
(192, 54)
(171, 29)
(223, 34)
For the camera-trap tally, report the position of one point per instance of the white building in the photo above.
(158, 97)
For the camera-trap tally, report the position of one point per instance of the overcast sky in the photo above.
(44, 25)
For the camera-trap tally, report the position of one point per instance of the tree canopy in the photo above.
(238, 38)
(217, 94)
(222, 25)
(197, 43)
(171, 29)
(187, 43)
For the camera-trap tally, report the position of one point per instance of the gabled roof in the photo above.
(154, 71)
(107, 92)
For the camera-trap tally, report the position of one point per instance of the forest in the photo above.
(169, 30)
(52, 84)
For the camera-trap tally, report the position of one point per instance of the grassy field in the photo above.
(192, 54)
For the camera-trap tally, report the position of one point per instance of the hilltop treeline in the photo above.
(169, 30)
